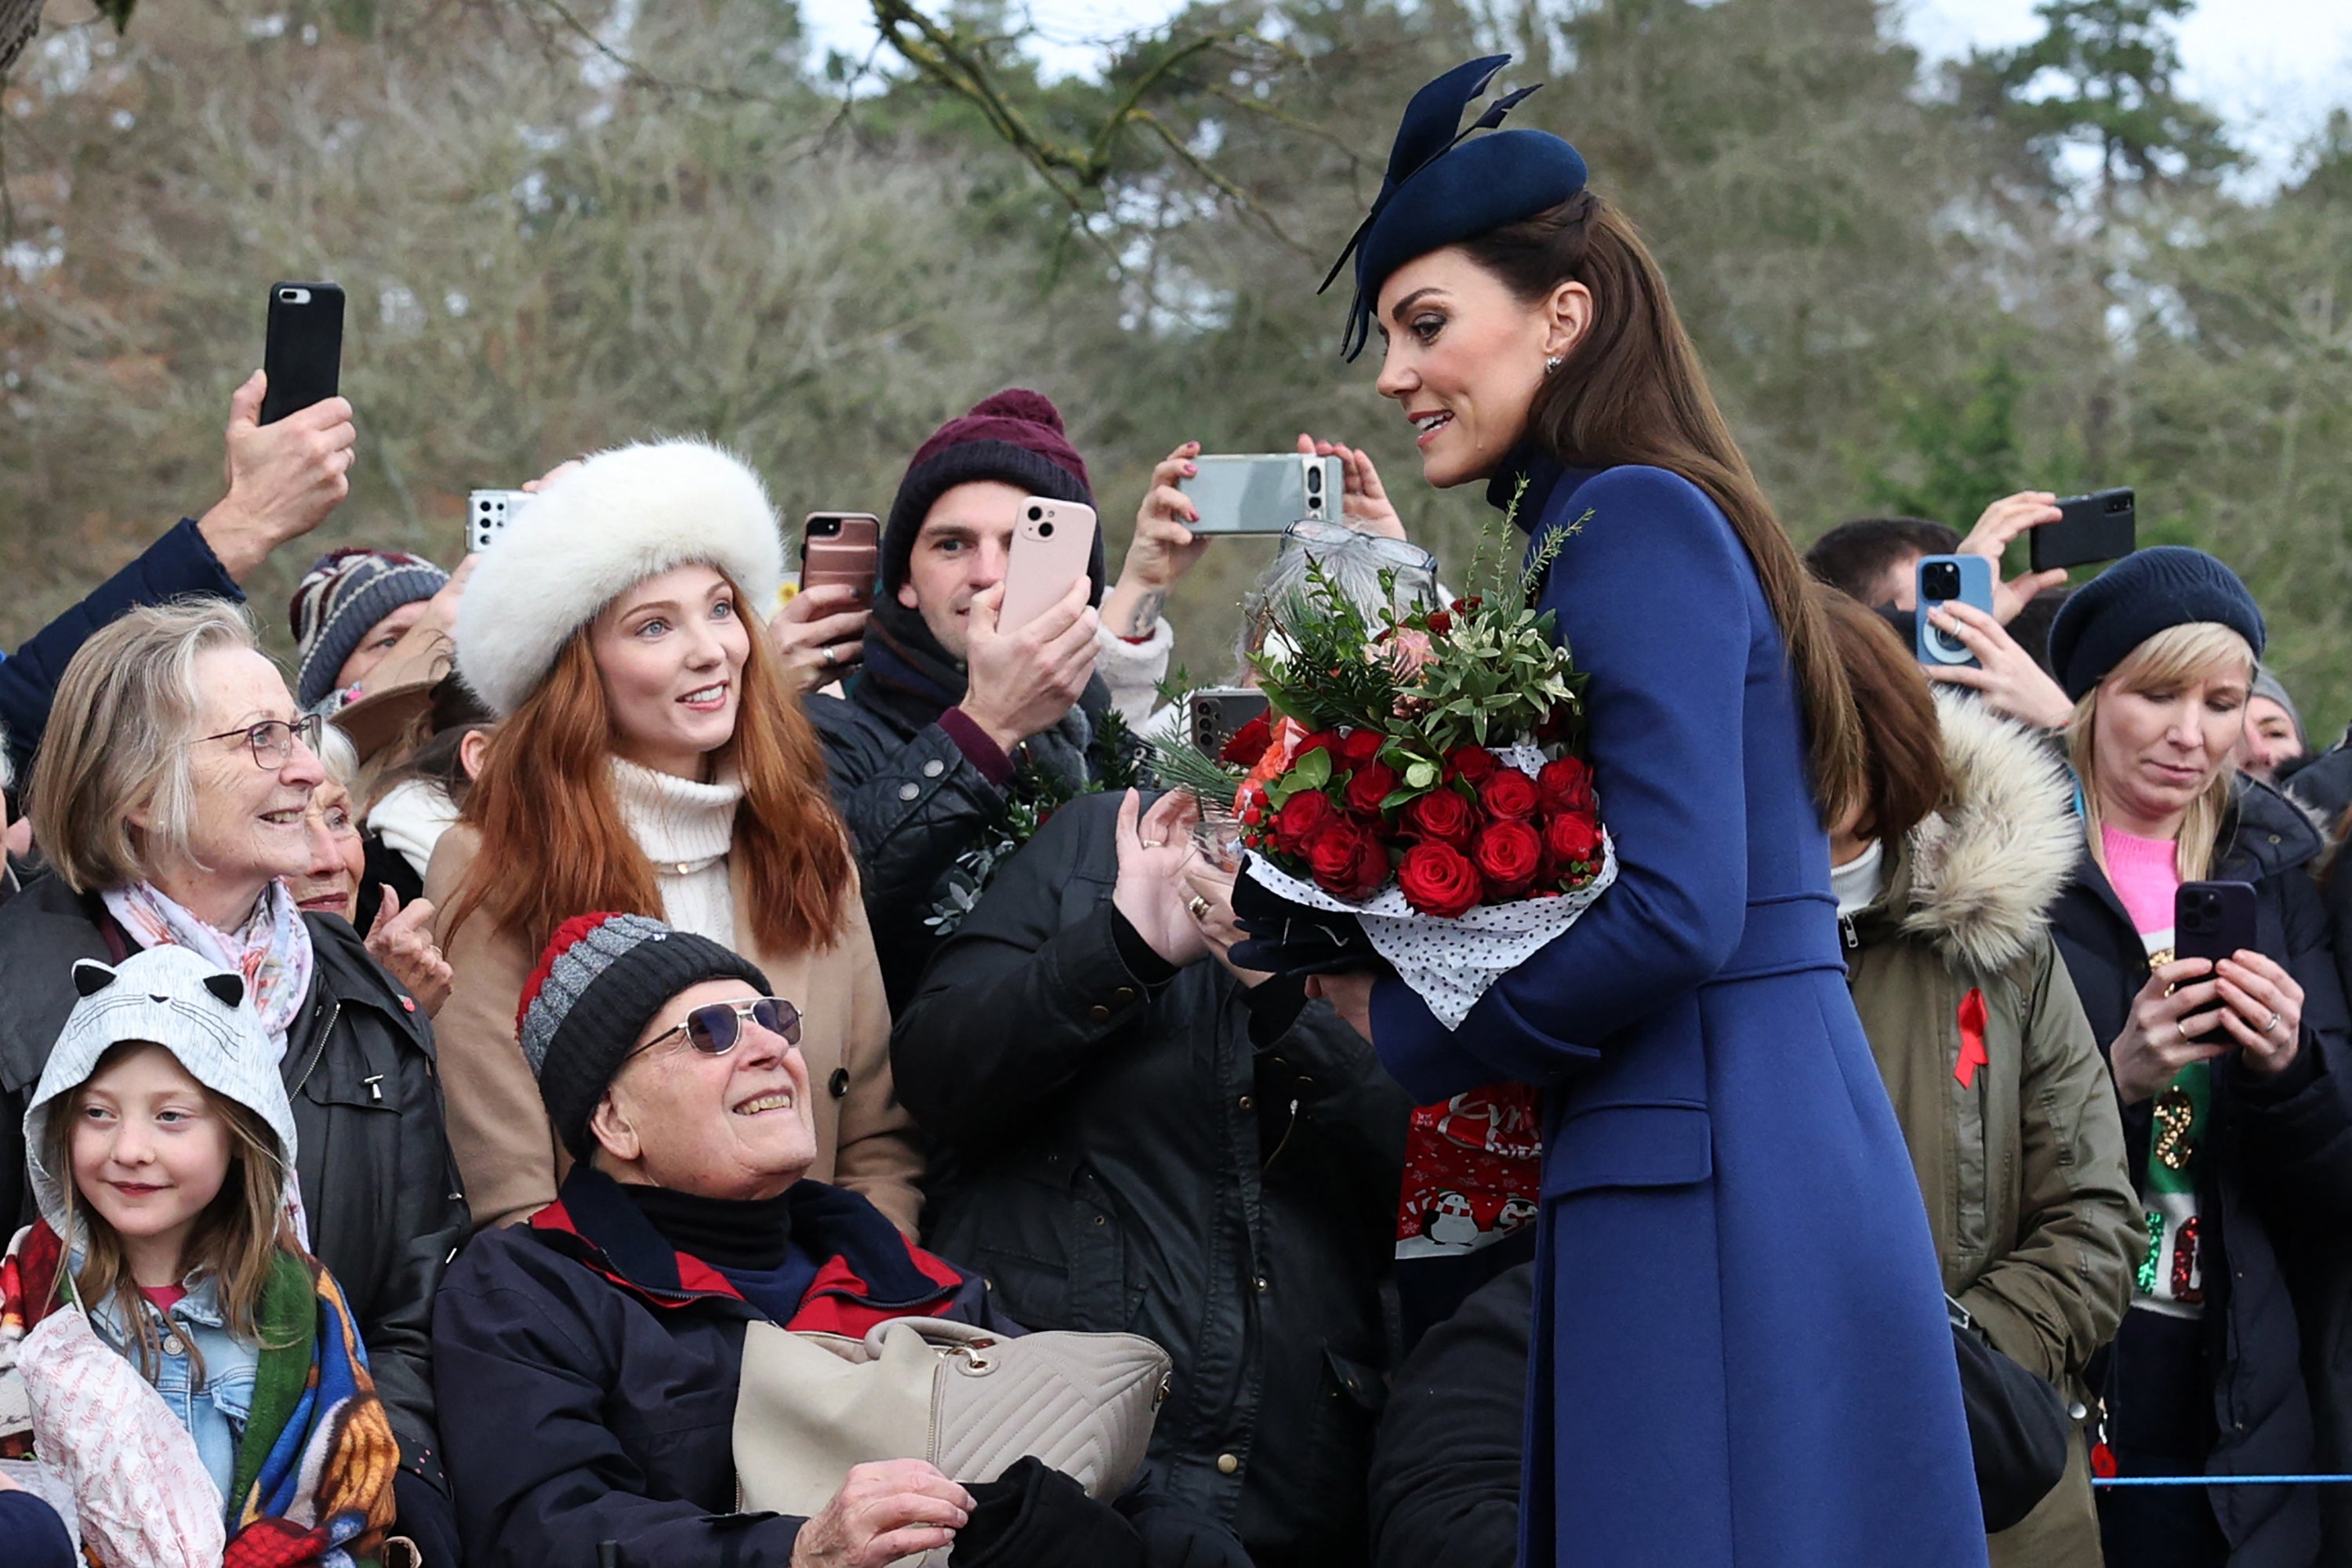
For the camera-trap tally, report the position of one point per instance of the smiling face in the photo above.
(148, 1153)
(2158, 743)
(331, 885)
(378, 642)
(670, 653)
(2271, 740)
(960, 551)
(1464, 357)
(732, 1126)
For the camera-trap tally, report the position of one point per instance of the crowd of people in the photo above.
(424, 1081)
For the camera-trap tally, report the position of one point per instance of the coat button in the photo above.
(1098, 1013)
(175, 1345)
(1248, 1102)
(908, 791)
(838, 1084)
(1264, 1284)
(1123, 995)
(1227, 1464)
(934, 768)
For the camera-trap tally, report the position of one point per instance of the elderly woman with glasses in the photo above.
(172, 799)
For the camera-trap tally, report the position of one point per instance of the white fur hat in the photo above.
(618, 518)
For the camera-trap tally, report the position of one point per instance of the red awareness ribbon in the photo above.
(1972, 1038)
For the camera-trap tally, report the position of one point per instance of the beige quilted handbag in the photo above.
(969, 1401)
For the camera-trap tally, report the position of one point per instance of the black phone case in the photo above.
(2229, 928)
(2101, 526)
(1218, 718)
(304, 355)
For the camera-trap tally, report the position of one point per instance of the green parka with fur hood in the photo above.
(2020, 1159)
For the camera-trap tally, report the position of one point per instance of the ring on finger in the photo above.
(2276, 1019)
(2180, 1027)
(1199, 906)
(827, 652)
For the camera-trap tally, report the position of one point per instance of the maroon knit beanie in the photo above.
(1013, 437)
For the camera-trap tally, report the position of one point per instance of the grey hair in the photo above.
(117, 742)
(341, 757)
(1355, 571)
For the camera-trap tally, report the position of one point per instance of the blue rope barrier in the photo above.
(2221, 1480)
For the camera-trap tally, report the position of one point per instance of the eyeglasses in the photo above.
(716, 1029)
(271, 742)
(1320, 539)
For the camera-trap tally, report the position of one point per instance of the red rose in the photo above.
(1322, 740)
(1571, 836)
(1509, 797)
(1302, 816)
(1248, 743)
(1565, 785)
(1440, 623)
(1348, 859)
(1509, 855)
(1360, 746)
(1441, 816)
(1438, 880)
(1475, 764)
(1371, 785)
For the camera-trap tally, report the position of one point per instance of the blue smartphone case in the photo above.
(1933, 646)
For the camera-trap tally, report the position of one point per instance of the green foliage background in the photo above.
(1915, 289)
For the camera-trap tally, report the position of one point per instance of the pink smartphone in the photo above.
(1052, 542)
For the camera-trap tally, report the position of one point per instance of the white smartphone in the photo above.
(1263, 493)
(1053, 541)
(487, 513)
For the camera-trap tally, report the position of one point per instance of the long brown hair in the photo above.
(236, 1239)
(554, 844)
(1631, 391)
(1903, 739)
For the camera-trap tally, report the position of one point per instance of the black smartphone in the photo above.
(1218, 713)
(304, 355)
(2212, 920)
(2101, 526)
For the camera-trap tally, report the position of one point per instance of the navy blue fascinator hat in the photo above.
(1443, 187)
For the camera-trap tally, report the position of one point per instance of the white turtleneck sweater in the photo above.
(685, 829)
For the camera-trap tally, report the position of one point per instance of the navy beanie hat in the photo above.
(2146, 591)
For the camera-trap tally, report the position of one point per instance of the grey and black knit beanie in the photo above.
(343, 595)
(600, 981)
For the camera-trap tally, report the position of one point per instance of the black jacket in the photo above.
(2279, 1156)
(1114, 1153)
(378, 1183)
(1445, 1472)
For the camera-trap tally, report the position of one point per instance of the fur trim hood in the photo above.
(621, 517)
(1978, 875)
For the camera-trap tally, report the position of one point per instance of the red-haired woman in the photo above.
(650, 759)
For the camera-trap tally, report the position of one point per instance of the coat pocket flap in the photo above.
(1631, 1146)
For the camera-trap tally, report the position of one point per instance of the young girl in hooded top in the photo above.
(159, 1141)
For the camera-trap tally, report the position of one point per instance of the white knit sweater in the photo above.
(685, 829)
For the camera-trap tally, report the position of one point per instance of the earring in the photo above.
(1553, 362)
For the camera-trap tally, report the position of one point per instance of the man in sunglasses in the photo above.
(610, 1328)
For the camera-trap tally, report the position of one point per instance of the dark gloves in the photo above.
(1285, 938)
(427, 1517)
(1033, 1517)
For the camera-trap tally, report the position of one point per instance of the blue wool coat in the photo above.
(1740, 1355)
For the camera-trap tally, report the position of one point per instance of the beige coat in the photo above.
(507, 1155)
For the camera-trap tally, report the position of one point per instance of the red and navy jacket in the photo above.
(586, 1373)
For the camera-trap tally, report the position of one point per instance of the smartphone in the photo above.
(1053, 541)
(2213, 920)
(1941, 580)
(1218, 712)
(1263, 493)
(2101, 526)
(303, 356)
(486, 514)
(841, 548)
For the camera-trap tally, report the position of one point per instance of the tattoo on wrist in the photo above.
(1144, 614)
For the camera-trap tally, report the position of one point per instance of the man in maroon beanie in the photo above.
(947, 711)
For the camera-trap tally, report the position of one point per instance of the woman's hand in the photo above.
(2264, 1010)
(2009, 681)
(1151, 891)
(2156, 1043)
(401, 940)
(2003, 522)
(1209, 899)
(1165, 548)
(1350, 995)
(1363, 502)
(819, 636)
(886, 1511)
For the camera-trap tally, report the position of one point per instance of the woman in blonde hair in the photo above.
(2236, 1092)
(649, 759)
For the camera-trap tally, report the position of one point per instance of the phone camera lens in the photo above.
(1036, 512)
(1943, 581)
(1045, 531)
(1314, 480)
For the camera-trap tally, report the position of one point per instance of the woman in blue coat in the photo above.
(1740, 1351)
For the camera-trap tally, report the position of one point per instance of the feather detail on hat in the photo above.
(621, 517)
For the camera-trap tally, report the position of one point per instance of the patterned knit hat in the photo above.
(167, 996)
(1014, 438)
(345, 592)
(600, 981)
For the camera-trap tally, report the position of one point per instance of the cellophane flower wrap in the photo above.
(1423, 775)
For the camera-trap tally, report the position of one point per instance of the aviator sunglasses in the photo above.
(715, 1027)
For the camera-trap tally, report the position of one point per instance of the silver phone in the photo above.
(488, 512)
(1263, 492)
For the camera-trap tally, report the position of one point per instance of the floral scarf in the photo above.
(272, 951)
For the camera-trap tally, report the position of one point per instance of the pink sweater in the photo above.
(2146, 873)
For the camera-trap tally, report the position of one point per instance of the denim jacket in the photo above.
(214, 1410)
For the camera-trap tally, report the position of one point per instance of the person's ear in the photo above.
(906, 596)
(612, 1127)
(471, 751)
(1568, 316)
